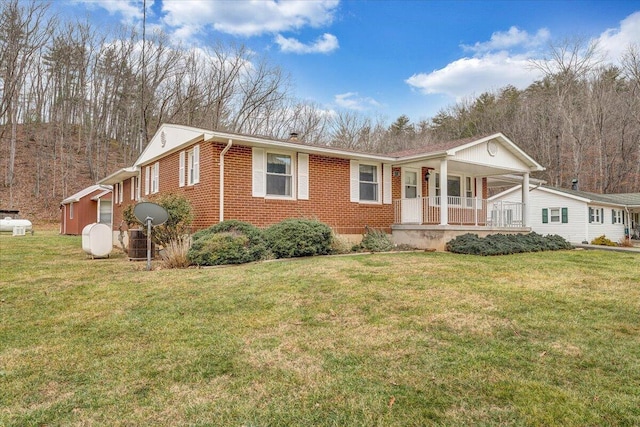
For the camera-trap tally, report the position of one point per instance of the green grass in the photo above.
(406, 339)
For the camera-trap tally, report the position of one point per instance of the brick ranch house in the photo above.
(423, 197)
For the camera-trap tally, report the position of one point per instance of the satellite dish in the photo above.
(150, 214)
(145, 211)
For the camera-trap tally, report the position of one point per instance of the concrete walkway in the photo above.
(634, 249)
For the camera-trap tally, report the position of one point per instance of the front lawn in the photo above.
(401, 339)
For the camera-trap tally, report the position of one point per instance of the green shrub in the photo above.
(229, 242)
(603, 241)
(503, 244)
(376, 241)
(299, 237)
(175, 229)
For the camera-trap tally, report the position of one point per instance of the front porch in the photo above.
(467, 211)
(418, 221)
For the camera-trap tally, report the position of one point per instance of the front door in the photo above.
(411, 200)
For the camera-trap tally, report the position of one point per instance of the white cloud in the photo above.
(352, 101)
(325, 44)
(614, 42)
(513, 38)
(468, 76)
(249, 17)
(506, 60)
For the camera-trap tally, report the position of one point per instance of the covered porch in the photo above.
(441, 194)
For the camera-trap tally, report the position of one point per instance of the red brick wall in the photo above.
(329, 193)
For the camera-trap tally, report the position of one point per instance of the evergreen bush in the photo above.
(299, 237)
(375, 241)
(504, 244)
(229, 242)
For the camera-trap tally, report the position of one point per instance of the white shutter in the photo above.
(147, 176)
(156, 177)
(115, 194)
(258, 173)
(386, 184)
(355, 181)
(303, 176)
(181, 170)
(196, 164)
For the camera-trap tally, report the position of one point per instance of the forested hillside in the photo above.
(78, 102)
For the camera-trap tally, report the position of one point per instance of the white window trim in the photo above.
(298, 173)
(293, 174)
(355, 183)
(559, 220)
(71, 210)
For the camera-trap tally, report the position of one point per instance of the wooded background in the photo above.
(78, 102)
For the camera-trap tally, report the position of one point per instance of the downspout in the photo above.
(224, 151)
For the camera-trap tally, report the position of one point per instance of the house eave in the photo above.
(119, 176)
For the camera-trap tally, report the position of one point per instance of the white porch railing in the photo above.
(461, 211)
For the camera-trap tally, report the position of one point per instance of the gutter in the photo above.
(224, 151)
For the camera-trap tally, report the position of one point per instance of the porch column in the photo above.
(444, 197)
(525, 200)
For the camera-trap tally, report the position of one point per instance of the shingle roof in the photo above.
(627, 199)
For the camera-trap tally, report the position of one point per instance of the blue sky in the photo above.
(385, 58)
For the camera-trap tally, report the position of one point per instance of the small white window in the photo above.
(71, 210)
(147, 180)
(554, 215)
(132, 183)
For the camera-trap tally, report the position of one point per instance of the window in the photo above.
(469, 191)
(559, 215)
(410, 184)
(71, 210)
(617, 216)
(279, 175)
(453, 189)
(438, 185)
(105, 212)
(119, 192)
(368, 183)
(596, 215)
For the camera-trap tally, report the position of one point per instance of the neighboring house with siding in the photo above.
(87, 206)
(421, 196)
(578, 216)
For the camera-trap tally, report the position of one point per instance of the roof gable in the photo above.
(85, 192)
